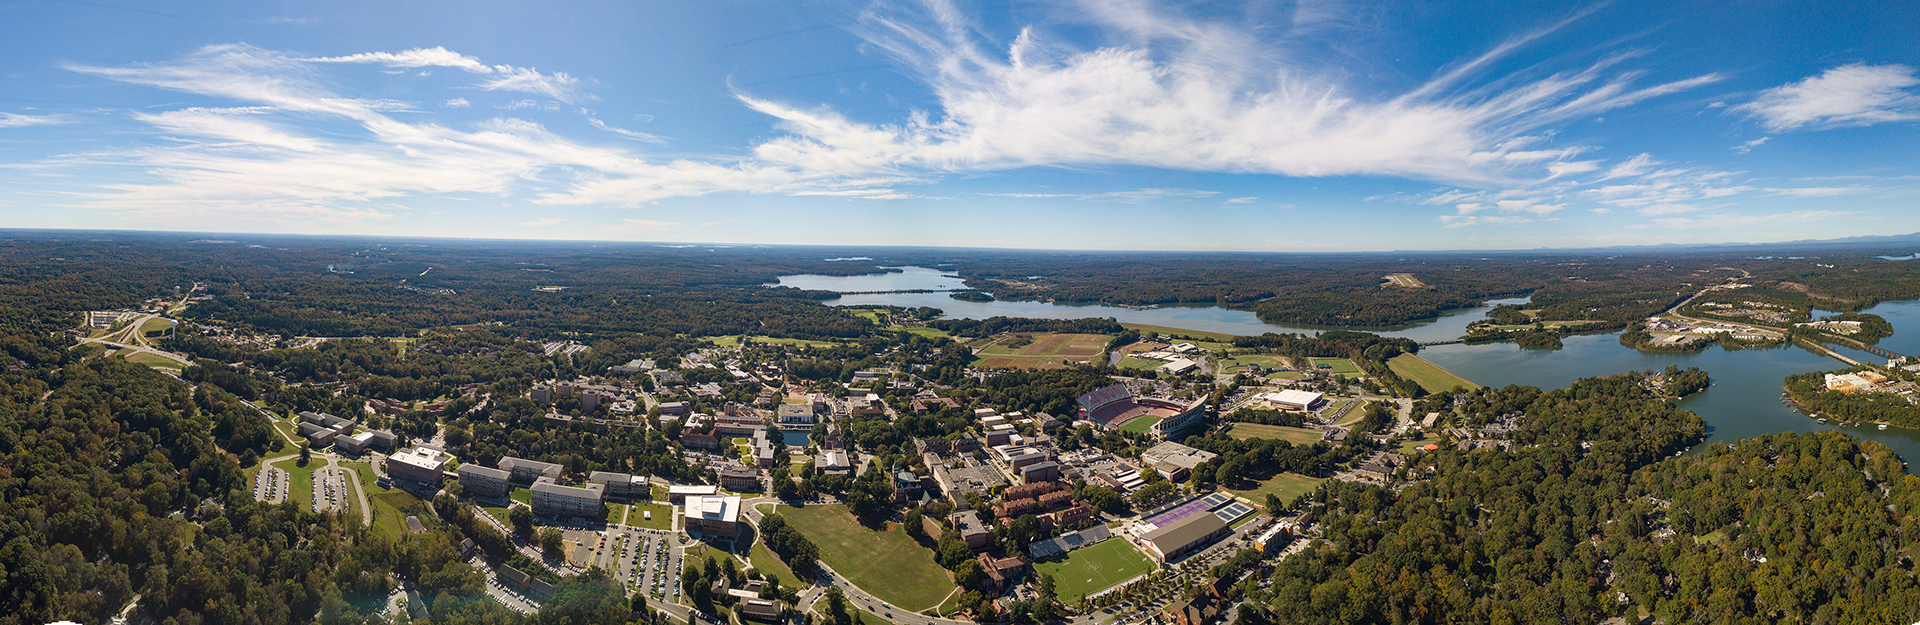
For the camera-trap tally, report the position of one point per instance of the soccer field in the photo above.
(1340, 366)
(1093, 569)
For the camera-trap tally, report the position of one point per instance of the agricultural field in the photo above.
(1297, 436)
(889, 564)
(1092, 569)
(1040, 351)
(1428, 375)
(1286, 485)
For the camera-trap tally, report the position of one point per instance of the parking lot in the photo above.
(271, 485)
(329, 490)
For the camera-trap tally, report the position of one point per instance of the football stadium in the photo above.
(1117, 408)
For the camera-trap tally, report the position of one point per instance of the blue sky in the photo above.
(1105, 124)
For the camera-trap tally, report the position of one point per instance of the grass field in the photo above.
(662, 516)
(1139, 425)
(1297, 436)
(301, 489)
(499, 514)
(520, 494)
(1215, 336)
(1340, 365)
(734, 341)
(390, 510)
(1286, 375)
(152, 360)
(888, 564)
(1286, 485)
(1093, 569)
(1130, 362)
(1242, 360)
(1428, 375)
(770, 566)
(933, 333)
(1044, 352)
(155, 324)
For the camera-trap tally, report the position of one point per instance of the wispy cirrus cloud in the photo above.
(16, 120)
(543, 222)
(556, 85)
(1849, 95)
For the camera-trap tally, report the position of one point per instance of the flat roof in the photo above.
(1177, 535)
(509, 462)
(693, 489)
(715, 508)
(1177, 454)
(554, 488)
(423, 457)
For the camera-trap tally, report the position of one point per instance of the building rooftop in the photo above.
(1171, 537)
(721, 508)
(423, 457)
(1172, 453)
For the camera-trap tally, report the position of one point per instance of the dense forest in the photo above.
(1591, 518)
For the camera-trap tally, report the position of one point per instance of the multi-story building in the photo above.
(552, 499)
(713, 515)
(482, 481)
(420, 464)
(529, 471)
(620, 484)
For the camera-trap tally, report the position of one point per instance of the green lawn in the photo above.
(615, 512)
(390, 510)
(860, 617)
(1243, 360)
(1428, 375)
(1297, 436)
(1093, 569)
(888, 564)
(301, 491)
(521, 495)
(1286, 485)
(155, 324)
(153, 360)
(499, 514)
(1286, 375)
(662, 516)
(1130, 362)
(932, 333)
(1340, 365)
(770, 566)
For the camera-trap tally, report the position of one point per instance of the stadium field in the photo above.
(1139, 425)
(1093, 569)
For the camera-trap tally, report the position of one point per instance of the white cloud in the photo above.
(1462, 221)
(458, 103)
(1750, 145)
(1806, 192)
(557, 85)
(1182, 93)
(1243, 200)
(542, 222)
(16, 120)
(1849, 95)
(518, 105)
(631, 134)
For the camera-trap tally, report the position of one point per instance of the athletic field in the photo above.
(1041, 351)
(1297, 436)
(1140, 425)
(1093, 569)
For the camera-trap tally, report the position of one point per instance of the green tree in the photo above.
(550, 540)
(522, 520)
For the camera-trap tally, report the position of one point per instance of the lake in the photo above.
(1451, 324)
(1743, 401)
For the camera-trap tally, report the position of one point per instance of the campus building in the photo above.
(713, 515)
(552, 499)
(483, 481)
(529, 471)
(420, 464)
(1189, 534)
(620, 484)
